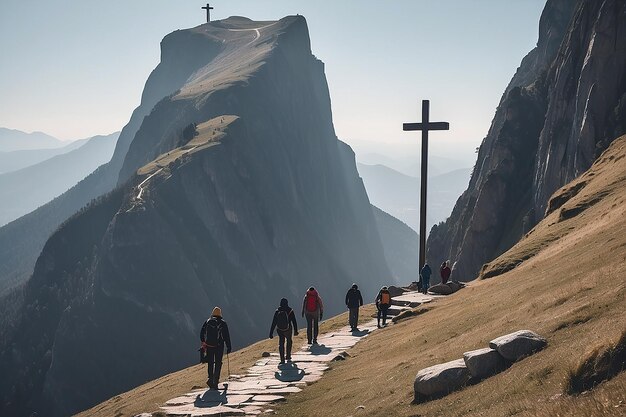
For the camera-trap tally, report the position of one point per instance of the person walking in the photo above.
(425, 274)
(353, 301)
(214, 335)
(383, 302)
(445, 272)
(284, 322)
(313, 309)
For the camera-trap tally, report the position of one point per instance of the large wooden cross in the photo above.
(425, 127)
(208, 12)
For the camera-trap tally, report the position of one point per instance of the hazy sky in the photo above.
(76, 68)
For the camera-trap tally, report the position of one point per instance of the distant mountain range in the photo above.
(16, 140)
(14, 160)
(398, 194)
(26, 189)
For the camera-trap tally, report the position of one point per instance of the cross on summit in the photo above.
(208, 9)
(425, 127)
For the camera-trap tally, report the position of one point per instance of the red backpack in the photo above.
(311, 301)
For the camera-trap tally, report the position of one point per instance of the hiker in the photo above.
(445, 272)
(313, 308)
(383, 302)
(214, 335)
(425, 277)
(284, 321)
(353, 302)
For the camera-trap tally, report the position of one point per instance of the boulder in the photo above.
(396, 291)
(454, 285)
(483, 363)
(441, 289)
(441, 379)
(515, 346)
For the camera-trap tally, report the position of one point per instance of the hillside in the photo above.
(569, 288)
(562, 108)
(233, 188)
(24, 190)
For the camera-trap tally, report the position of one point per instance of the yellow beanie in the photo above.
(217, 312)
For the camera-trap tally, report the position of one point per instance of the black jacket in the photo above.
(353, 298)
(223, 329)
(290, 315)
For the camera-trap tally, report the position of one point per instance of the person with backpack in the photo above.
(445, 272)
(353, 302)
(383, 302)
(214, 335)
(313, 309)
(284, 322)
(425, 277)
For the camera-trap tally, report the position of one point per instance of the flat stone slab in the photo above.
(186, 410)
(181, 400)
(219, 397)
(482, 363)
(267, 398)
(415, 297)
(441, 379)
(517, 345)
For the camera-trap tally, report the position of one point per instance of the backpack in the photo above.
(311, 302)
(282, 320)
(213, 333)
(385, 298)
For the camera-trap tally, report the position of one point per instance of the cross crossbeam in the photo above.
(425, 126)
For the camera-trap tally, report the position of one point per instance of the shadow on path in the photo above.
(211, 398)
(319, 350)
(289, 372)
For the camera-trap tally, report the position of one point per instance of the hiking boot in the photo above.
(288, 358)
(282, 362)
(315, 341)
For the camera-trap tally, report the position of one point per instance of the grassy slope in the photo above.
(571, 290)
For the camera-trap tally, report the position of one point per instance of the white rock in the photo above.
(441, 379)
(485, 362)
(515, 346)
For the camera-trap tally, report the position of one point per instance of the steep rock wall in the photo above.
(562, 108)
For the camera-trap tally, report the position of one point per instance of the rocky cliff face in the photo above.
(565, 104)
(262, 202)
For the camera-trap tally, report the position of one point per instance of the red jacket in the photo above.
(319, 306)
(445, 274)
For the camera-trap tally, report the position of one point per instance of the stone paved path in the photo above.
(267, 381)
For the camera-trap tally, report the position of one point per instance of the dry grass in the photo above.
(602, 363)
(571, 291)
(209, 134)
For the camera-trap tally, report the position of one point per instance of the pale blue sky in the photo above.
(75, 68)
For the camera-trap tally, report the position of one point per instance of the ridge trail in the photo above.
(257, 32)
(268, 381)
